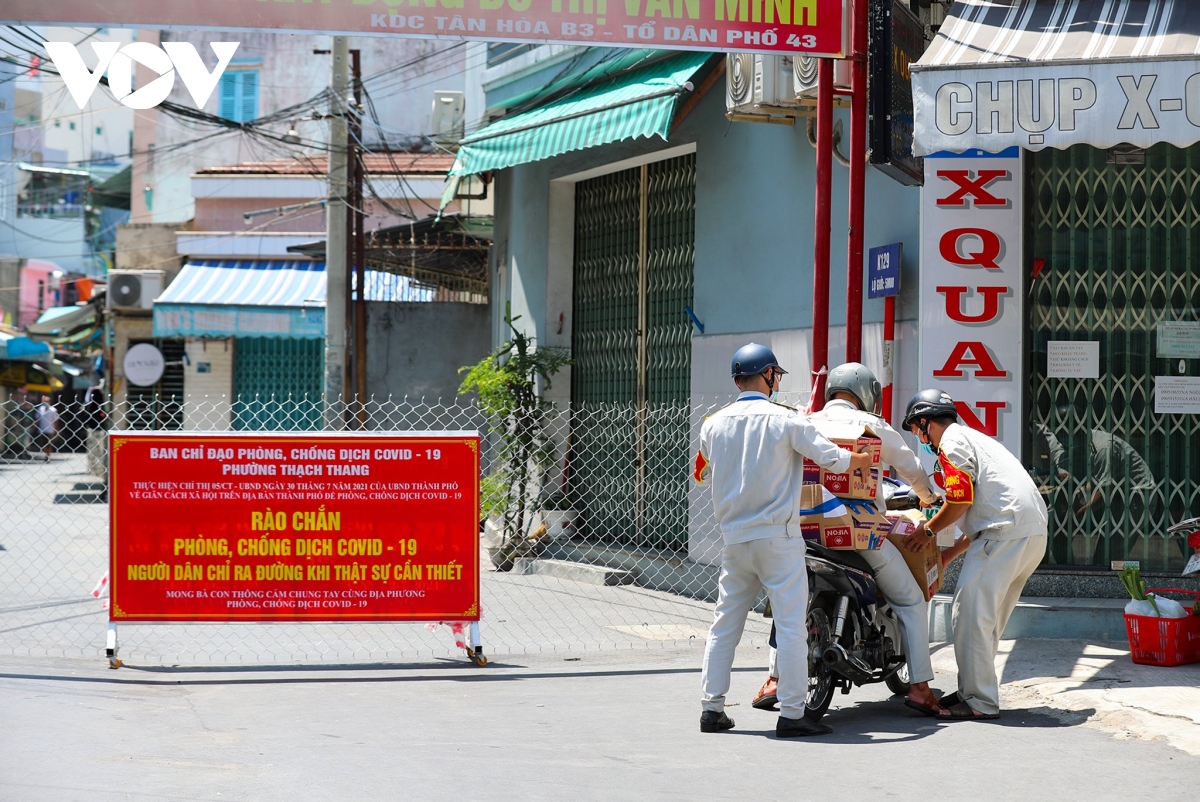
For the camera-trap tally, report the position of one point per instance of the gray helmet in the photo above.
(857, 380)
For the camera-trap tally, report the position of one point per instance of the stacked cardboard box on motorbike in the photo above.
(838, 523)
(838, 509)
(852, 484)
(926, 562)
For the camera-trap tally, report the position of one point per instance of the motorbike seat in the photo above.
(849, 558)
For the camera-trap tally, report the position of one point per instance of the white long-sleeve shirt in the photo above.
(752, 452)
(894, 451)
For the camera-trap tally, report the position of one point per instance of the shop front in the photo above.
(1060, 275)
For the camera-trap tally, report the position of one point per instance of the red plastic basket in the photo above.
(1157, 641)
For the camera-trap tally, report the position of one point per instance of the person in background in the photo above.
(45, 427)
(752, 452)
(852, 394)
(993, 500)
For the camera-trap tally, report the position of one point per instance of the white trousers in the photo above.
(776, 564)
(990, 584)
(904, 595)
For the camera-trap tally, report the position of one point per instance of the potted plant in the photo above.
(560, 516)
(507, 382)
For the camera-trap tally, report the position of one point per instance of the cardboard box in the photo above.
(855, 484)
(840, 523)
(926, 563)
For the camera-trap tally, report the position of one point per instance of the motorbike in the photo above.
(853, 635)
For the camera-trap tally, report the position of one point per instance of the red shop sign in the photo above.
(806, 27)
(294, 527)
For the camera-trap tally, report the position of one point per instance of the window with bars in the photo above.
(239, 95)
(1121, 245)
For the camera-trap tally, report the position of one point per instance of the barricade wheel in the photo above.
(480, 660)
(114, 662)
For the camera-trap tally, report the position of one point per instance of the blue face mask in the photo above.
(775, 396)
(929, 449)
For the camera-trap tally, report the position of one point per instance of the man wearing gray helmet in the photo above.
(852, 394)
(752, 452)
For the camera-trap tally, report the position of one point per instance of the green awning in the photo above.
(638, 103)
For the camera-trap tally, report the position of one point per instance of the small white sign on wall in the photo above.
(1066, 359)
(1177, 395)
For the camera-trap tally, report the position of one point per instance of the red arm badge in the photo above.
(955, 481)
(701, 472)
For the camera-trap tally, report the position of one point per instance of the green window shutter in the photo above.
(278, 384)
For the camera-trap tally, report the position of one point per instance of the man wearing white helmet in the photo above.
(852, 394)
(752, 452)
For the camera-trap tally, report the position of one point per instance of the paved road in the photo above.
(539, 729)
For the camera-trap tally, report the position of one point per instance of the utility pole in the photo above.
(358, 246)
(335, 241)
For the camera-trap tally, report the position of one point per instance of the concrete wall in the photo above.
(208, 385)
(754, 237)
(416, 349)
(149, 246)
(57, 240)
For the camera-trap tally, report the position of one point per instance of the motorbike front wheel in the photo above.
(821, 681)
(898, 683)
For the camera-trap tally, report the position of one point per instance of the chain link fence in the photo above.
(618, 548)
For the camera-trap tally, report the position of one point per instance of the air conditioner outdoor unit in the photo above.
(804, 76)
(757, 84)
(134, 289)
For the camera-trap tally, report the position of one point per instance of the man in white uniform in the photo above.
(752, 452)
(852, 394)
(997, 506)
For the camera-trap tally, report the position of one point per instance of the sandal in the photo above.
(964, 712)
(932, 710)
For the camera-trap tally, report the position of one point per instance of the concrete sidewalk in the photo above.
(1126, 700)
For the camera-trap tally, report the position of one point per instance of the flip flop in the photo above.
(925, 710)
(964, 712)
(950, 699)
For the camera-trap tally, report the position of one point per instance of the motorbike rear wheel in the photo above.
(821, 681)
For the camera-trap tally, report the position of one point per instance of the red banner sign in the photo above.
(810, 27)
(295, 527)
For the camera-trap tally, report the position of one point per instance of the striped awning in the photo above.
(276, 298)
(637, 103)
(1051, 73)
(248, 283)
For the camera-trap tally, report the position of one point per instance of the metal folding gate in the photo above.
(287, 371)
(1121, 244)
(634, 258)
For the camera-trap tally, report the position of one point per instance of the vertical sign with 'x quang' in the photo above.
(971, 301)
